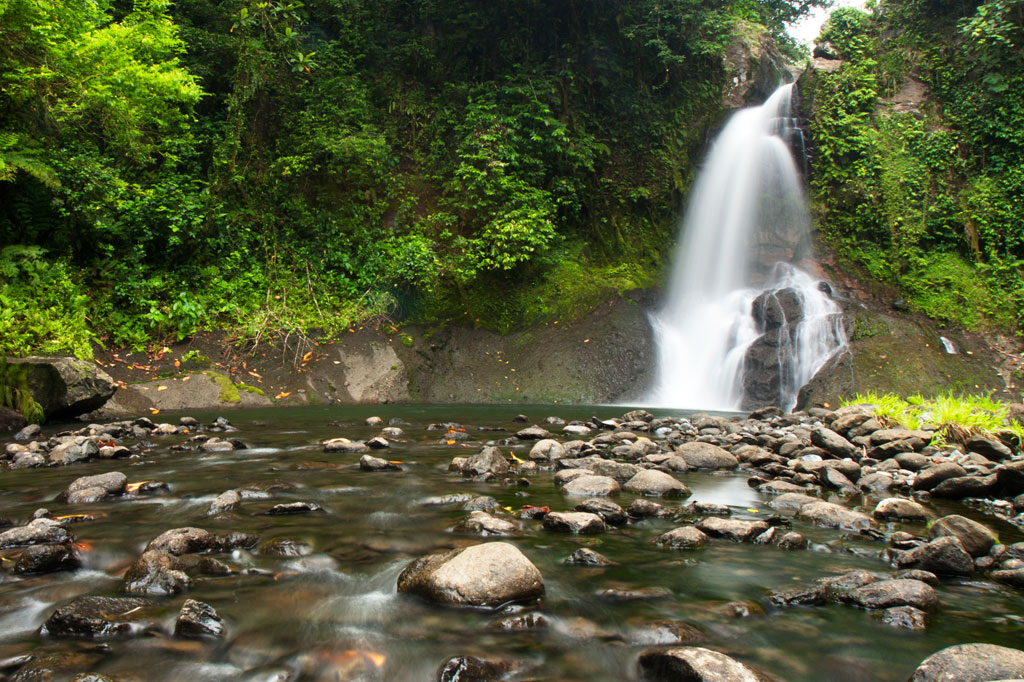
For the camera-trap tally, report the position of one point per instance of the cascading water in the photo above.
(742, 326)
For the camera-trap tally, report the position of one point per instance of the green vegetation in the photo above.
(228, 390)
(953, 418)
(925, 192)
(16, 394)
(274, 168)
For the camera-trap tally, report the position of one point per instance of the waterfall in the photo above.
(742, 326)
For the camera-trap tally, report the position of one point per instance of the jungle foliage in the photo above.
(260, 165)
(928, 194)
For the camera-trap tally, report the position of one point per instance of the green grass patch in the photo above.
(953, 418)
(228, 391)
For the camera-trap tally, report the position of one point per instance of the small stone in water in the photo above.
(295, 508)
(588, 557)
(198, 619)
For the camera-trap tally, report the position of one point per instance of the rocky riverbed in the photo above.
(455, 543)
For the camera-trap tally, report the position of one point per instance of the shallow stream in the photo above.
(335, 614)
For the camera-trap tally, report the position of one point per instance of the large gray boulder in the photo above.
(658, 483)
(971, 663)
(976, 538)
(700, 455)
(63, 386)
(832, 515)
(693, 664)
(943, 556)
(488, 575)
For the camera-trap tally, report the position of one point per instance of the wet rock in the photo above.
(91, 617)
(45, 667)
(345, 446)
(473, 669)
(1011, 576)
(622, 594)
(180, 541)
(590, 485)
(111, 483)
(378, 443)
(899, 508)
(225, 502)
(156, 573)
(642, 509)
(906, 617)
(943, 556)
(285, 547)
(708, 508)
(989, 448)
(975, 538)
(28, 432)
(831, 442)
(912, 461)
(664, 633)
(959, 487)
(482, 523)
(198, 620)
(971, 663)
(831, 477)
(790, 501)
(736, 530)
(700, 455)
(684, 537)
(77, 450)
(41, 531)
(46, 559)
(533, 433)
(611, 513)
(547, 450)
(831, 515)
(877, 482)
(693, 664)
(481, 503)
(937, 473)
(588, 557)
(574, 522)
(885, 594)
(792, 540)
(369, 463)
(489, 462)
(782, 487)
(374, 422)
(489, 574)
(28, 460)
(577, 430)
(529, 622)
(294, 508)
(658, 483)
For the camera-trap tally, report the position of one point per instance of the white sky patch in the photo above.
(808, 28)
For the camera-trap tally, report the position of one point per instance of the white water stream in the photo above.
(745, 227)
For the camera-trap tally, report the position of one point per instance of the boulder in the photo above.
(473, 669)
(111, 483)
(91, 617)
(885, 594)
(700, 455)
(611, 513)
(547, 450)
(198, 620)
(63, 386)
(533, 433)
(975, 538)
(46, 559)
(693, 664)
(989, 448)
(488, 575)
(657, 483)
(489, 462)
(906, 617)
(942, 556)
(345, 446)
(180, 541)
(156, 573)
(574, 522)
(685, 537)
(932, 476)
(41, 531)
(835, 516)
(899, 508)
(584, 556)
(482, 523)
(959, 487)
(971, 663)
(736, 530)
(225, 502)
(831, 442)
(589, 485)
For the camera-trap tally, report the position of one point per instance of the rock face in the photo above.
(486, 575)
(971, 663)
(64, 387)
(693, 664)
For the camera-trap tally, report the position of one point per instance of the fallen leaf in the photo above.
(258, 376)
(134, 487)
(184, 379)
(153, 410)
(279, 396)
(307, 356)
(161, 388)
(177, 364)
(586, 340)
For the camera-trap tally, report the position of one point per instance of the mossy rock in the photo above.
(47, 388)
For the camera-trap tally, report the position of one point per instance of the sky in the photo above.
(807, 30)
